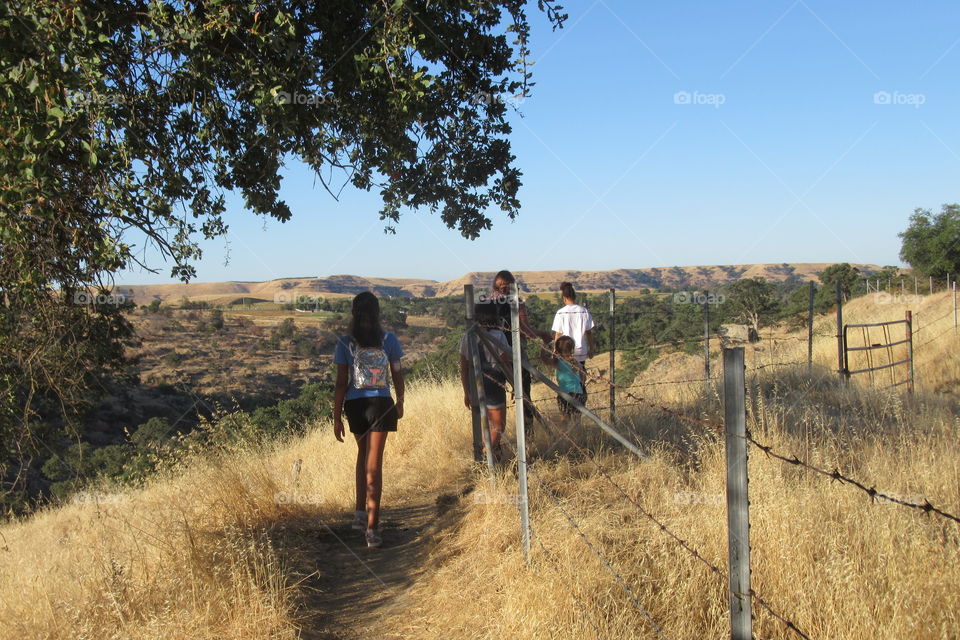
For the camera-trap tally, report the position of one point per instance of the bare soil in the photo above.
(349, 591)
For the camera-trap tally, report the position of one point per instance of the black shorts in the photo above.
(568, 409)
(371, 414)
(494, 389)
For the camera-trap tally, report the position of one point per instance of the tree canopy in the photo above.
(754, 300)
(931, 244)
(845, 273)
(129, 121)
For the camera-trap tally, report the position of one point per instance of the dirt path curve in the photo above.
(347, 590)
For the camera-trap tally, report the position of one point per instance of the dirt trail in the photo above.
(348, 590)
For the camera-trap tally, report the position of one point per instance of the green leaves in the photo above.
(114, 119)
(931, 244)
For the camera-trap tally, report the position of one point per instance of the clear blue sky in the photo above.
(674, 133)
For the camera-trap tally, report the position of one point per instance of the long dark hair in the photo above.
(365, 324)
(504, 275)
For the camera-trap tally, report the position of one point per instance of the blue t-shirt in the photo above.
(567, 378)
(342, 355)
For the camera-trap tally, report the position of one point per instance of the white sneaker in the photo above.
(359, 521)
(373, 538)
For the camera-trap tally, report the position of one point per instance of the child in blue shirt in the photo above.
(568, 374)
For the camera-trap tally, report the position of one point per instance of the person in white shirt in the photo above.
(576, 322)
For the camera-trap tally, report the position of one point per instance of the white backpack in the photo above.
(371, 367)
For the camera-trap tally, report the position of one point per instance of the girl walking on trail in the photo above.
(367, 360)
(568, 374)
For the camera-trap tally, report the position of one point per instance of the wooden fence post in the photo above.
(518, 410)
(613, 356)
(909, 318)
(706, 340)
(738, 514)
(813, 291)
(475, 412)
(840, 368)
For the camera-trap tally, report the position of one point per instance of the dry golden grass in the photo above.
(194, 555)
(190, 555)
(823, 554)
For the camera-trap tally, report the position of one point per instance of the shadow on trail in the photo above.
(344, 589)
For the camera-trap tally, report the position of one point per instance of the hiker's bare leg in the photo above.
(361, 472)
(496, 418)
(377, 440)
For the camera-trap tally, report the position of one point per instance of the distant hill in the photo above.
(653, 278)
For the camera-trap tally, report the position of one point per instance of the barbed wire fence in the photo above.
(740, 593)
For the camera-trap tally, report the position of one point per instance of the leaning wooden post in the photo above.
(738, 514)
(813, 291)
(909, 318)
(475, 411)
(476, 386)
(518, 410)
(613, 356)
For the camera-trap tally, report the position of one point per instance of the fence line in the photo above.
(936, 337)
(836, 475)
(606, 563)
(927, 507)
(579, 603)
(663, 382)
(930, 322)
(710, 425)
(682, 543)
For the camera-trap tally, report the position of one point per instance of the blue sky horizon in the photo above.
(689, 134)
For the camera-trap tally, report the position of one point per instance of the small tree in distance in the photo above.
(754, 300)
(931, 244)
(847, 275)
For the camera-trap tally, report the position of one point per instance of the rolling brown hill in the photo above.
(653, 278)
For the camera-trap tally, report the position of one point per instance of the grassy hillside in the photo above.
(653, 278)
(236, 543)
